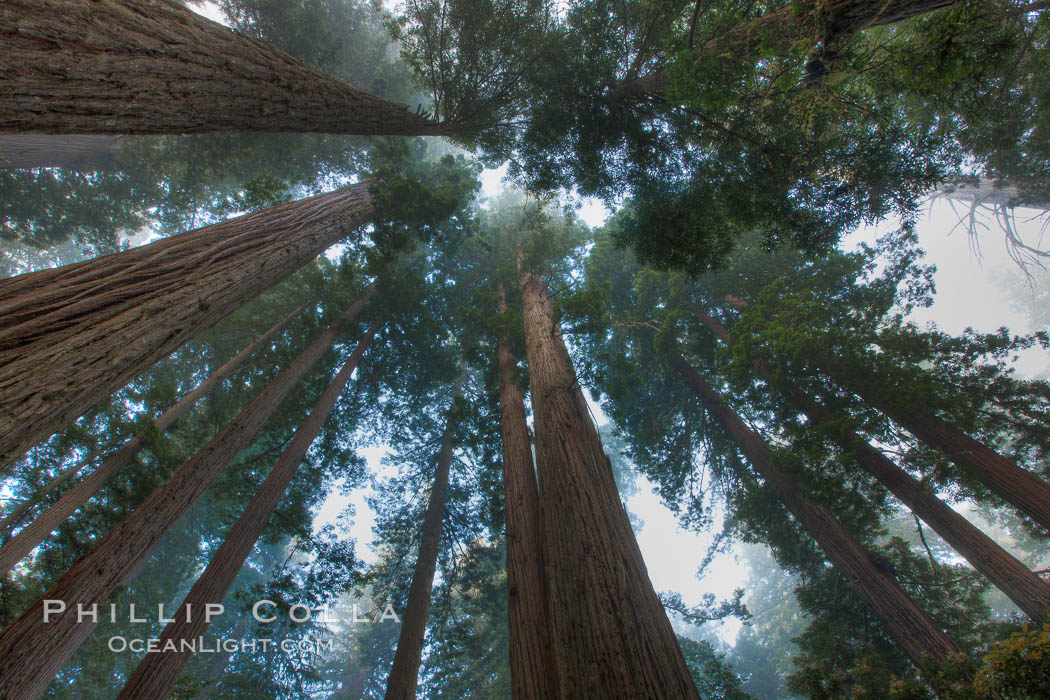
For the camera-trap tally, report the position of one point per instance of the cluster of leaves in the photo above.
(1018, 667)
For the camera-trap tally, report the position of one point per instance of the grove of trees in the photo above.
(256, 301)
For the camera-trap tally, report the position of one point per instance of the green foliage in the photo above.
(843, 650)
(1018, 667)
(836, 327)
(417, 199)
(683, 230)
(977, 71)
(710, 672)
(470, 657)
(473, 57)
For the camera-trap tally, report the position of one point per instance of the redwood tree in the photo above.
(918, 635)
(70, 336)
(777, 30)
(1017, 581)
(32, 651)
(404, 673)
(33, 534)
(156, 676)
(155, 67)
(838, 325)
(1016, 485)
(610, 636)
(531, 660)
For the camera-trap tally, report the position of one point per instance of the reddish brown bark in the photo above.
(31, 651)
(1021, 488)
(157, 674)
(154, 67)
(610, 635)
(404, 673)
(81, 152)
(1017, 581)
(780, 29)
(532, 673)
(37, 531)
(70, 336)
(918, 636)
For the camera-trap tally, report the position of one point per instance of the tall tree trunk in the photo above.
(48, 521)
(918, 636)
(532, 673)
(1023, 489)
(780, 29)
(83, 152)
(404, 673)
(12, 519)
(154, 67)
(1017, 581)
(72, 335)
(610, 635)
(1017, 486)
(32, 651)
(157, 674)
(1014, 484)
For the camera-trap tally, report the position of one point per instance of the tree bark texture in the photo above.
(610, 635)
(532, 671)
(404, 673)
(31, 652)
(155, 67)
(72, 335)
(72, 152)
(1023, 489)
(918, 636)
(33, 534)
(780, 29)
(1017, 581)
(157, 674)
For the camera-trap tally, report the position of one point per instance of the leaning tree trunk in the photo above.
(404, 673)
(154, 67)
(531, 663)
(1017, 486)
(918, 636)
(1014, 484)
(32, 651)
(12, 519)
(80, 152)
(33, 534)
(610, 635)
(157, 674)
(72, 335)
(1017, 581)
(783, 28)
